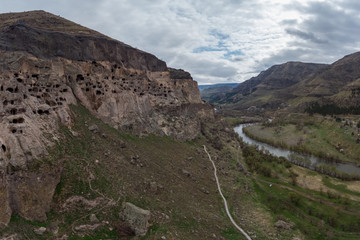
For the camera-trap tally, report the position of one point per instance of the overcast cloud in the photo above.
(219, 41)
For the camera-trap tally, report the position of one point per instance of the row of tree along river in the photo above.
(342, 170)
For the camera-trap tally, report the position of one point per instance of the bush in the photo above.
(294, 198)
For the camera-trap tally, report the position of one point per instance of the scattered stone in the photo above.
(40, 230)
(11, 237)
(153, 186)
(103, 135)
(97, 161)
(186, 173)
(83, 202)
(94, 128)
(163, 238)
(93, 218)
(87, 227)
(136, 218)
(75, 134)
(64, 237)
(54, 229)
(107, 153)
(122, 144)
(280, 224)
(205, 191)
(190, 158)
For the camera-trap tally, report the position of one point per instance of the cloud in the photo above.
(304, 35)
(219, 41)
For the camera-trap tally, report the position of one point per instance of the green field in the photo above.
(334, 139)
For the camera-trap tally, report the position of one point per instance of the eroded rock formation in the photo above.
(42, 72)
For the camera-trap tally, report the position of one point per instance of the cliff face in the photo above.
(42, 72)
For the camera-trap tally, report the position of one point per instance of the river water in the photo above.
(279, 152)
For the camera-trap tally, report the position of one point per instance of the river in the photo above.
(279, 152)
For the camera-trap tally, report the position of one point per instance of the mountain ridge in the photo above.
(297, 84)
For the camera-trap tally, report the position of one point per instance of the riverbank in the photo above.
(326, 138)
(339, 170)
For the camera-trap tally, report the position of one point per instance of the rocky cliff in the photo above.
(44, 69)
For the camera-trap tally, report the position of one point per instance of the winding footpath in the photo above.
(225, 202)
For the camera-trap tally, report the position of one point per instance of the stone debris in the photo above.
(135, 160)
(94, 128)
(107, 153)
(81, 201)
(186, 173)
(87, 227)
(280, 224)
(136, 218)
(205, 191)
(40, 230)
(93, 218)
(122, 144)
(11, 237)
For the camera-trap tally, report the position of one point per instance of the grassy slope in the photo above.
(320, 207)
(180, 206)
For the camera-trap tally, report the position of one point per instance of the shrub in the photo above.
(294, 198)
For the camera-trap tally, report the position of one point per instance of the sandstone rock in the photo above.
(31, 192)
(93, 218)
(40, 230)
(153, 186)
(41, 77)
(94, 128)
(81, 201)
(186, 173)
(122, 144)
(10, 237)
(280, 224)
(87, 227)
(136, 218)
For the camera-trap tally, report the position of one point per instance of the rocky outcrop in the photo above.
(137, 219)
(43, 72)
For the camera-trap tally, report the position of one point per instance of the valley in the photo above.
(100, 140)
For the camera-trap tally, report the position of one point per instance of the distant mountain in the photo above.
(232, 85)
(213, 93)
(297, 85)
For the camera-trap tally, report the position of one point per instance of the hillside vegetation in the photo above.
(294, 86)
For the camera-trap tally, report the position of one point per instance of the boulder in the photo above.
(280, 224)
(93, 218)
(40, 230)
(94, 128)
(136, 218)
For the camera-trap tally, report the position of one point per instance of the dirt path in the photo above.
(225, 202)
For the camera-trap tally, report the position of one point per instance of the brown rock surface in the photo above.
(45, 68)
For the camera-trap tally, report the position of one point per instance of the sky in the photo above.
(218, 41)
